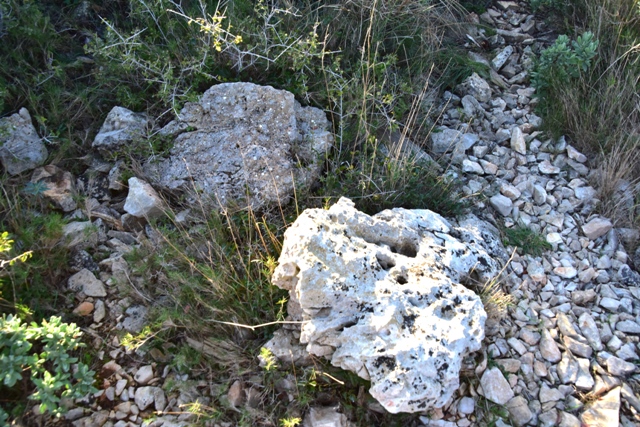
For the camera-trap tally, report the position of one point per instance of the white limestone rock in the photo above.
(142, 200)
(382, 297)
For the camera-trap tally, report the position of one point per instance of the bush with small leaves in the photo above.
(43, 353)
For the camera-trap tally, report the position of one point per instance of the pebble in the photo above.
(548, 348)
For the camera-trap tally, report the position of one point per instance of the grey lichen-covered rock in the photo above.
(382, 296)
(477, 87)
(244, 143)
(21, 149)
(121, 127)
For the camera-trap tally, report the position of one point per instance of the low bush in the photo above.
(43, 354)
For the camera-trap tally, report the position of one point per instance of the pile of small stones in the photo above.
(567, 353)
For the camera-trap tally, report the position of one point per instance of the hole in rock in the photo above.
(346, 325)
(405, 248)
(385, 261)
(401, 280)
(323, 312)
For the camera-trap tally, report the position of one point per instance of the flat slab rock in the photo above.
(246, 144)
(382, 296)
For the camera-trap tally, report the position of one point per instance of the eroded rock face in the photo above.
(382, 296)
(245, 143)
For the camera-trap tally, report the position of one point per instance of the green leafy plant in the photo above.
(43, 353)
(562, 61)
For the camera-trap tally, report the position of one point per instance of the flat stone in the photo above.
(568, 369)
(519, 411)
(445, 140)
(121, 127)
(135, 317)
(578, 348)
(549, 394)
(86, 281)
(583, 297)
(610, 304)
(628, 326)
(590, 331)
(548, 348)
(477, 87)
(584, 381)
(142, 200)
(518, 143)
(566, 272)
(596, 227)
(495, 386)
(502, 204)
(472, 167)
(545, 167)
(144, 375)
(568, 420)
(145, 396)
(21, 149)
(604, 412)
(100, 311)
(325, 417)
(575, 154)
(58, 184)
(539, 195)
(619, 367)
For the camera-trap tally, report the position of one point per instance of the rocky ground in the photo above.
(565, 354)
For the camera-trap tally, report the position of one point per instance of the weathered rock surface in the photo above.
(381, 296)
(21, 149)
(121, 127)
(59, 186)
(244, 143)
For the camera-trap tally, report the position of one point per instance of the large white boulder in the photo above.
(383, 297)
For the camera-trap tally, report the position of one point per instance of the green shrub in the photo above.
(42, 352)
(562, 62)
(526, 239)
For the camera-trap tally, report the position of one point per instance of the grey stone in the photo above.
(325, 417)
(99, 312)
(501, 57)
(135, 318)
(79, 234)
(548, 348)
(502, 204)
(477, 87)
(121, 127)
(590, 331)
(445, 140)
(545, 167)
(142, 200)
(568, 420)
(517, 141)
(578, 348)
(596, 227)
(471, 167)
(604, 412)
(145, 396)
(86, 281)
(584, 381)
(495, 386)
(20, 147)
(519, 411)
(628, 326)
(144, 375)
(568, 369)
(244, 144)
(549, 394)
(619, 367)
